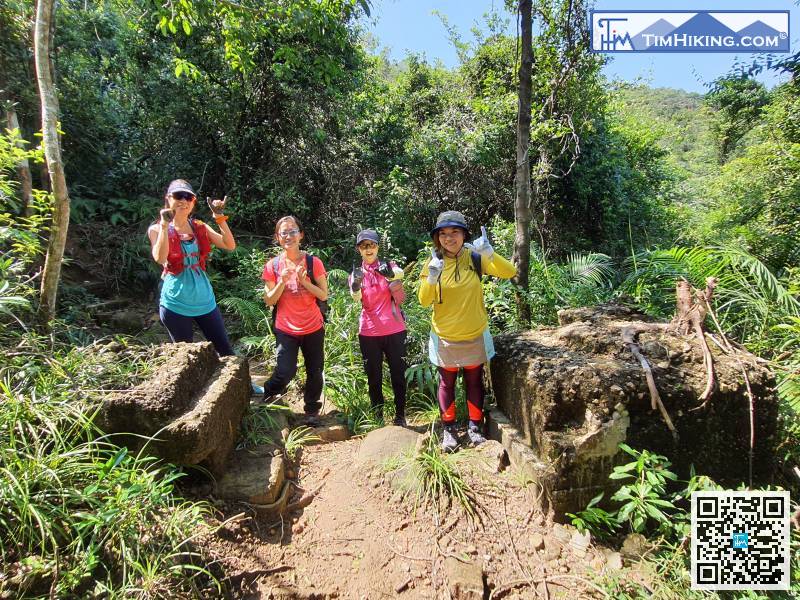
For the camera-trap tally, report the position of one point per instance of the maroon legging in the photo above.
(473, 382)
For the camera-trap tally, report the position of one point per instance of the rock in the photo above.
(537, 541)
(580, 543)
(614, 561)
(597, 563)
(384, 443)
(567, 396)
(255, 476)
(561, 533)
(193, 404)
(122, 321)
(552, 550)
(492, 455)
(332, 433)
(634, 546)
(278, 508)
(464, 580)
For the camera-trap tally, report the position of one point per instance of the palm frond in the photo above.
(594, 268)
(765, 281)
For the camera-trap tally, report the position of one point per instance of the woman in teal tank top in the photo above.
(181, 245)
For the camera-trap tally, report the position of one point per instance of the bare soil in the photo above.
(359, 538)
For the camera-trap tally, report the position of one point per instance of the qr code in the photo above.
(740, 540)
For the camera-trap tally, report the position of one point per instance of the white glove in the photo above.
(435, 267)
(481, 245)
(398, 274)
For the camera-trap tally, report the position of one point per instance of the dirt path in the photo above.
(359, 538)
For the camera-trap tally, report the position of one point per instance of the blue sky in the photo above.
(411, 25)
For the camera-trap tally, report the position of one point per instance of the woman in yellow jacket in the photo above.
(460, 338)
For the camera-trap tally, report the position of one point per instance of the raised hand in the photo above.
(287, 273)
(385, 269)
(357, 278)
(217, 206)
(481, 245)
(435, 267)
(302, 274)
(167, 214)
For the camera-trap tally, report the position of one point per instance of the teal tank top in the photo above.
(189, 293)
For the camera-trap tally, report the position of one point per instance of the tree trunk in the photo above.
(522, 203)
(23, 168)
(52, 151)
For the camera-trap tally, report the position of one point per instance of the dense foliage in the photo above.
(282, 106)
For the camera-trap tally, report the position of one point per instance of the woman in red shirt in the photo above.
(298, 321)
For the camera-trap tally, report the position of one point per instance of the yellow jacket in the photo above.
(459, 313)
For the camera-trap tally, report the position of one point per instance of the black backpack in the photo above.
(323, 304)
(476, 263)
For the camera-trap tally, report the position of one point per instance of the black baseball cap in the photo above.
(180, 185)
(368, 234)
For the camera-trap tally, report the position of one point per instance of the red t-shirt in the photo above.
(298, 313)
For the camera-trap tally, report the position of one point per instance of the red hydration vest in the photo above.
(174, 264)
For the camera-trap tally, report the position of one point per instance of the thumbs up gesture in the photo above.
(435, 266)
(481, 245)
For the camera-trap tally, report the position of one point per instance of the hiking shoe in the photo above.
(312, 421)
(449, 440)
(474, 434)
(257, 389)
(400, 422)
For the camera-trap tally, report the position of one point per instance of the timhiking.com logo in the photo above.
(690, 31)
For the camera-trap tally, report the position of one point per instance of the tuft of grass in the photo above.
(259, 425)
(297, 438)
(434, 478)
(83, 516)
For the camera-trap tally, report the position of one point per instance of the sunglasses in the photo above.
(289, 233)
(368, 246)
(183, 196)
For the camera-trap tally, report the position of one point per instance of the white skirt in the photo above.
(446, 353)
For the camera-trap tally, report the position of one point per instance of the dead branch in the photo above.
(692, 306)
(307, 498)
(629, 335)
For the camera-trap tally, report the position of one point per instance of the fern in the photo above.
(254, 315)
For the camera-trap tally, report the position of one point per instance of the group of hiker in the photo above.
(296, 285)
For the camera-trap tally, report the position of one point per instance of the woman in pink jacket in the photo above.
(378, 285)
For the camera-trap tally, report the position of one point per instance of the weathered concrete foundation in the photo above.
(567, 396)
(191, 409)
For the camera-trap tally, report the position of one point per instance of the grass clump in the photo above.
(297, 438)
(434, 478)
(79, 515)
(260, 424)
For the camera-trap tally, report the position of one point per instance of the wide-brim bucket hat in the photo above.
(450, 218)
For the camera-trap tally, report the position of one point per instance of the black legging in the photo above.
(179, 328)
(372, 350)
(313, 348)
